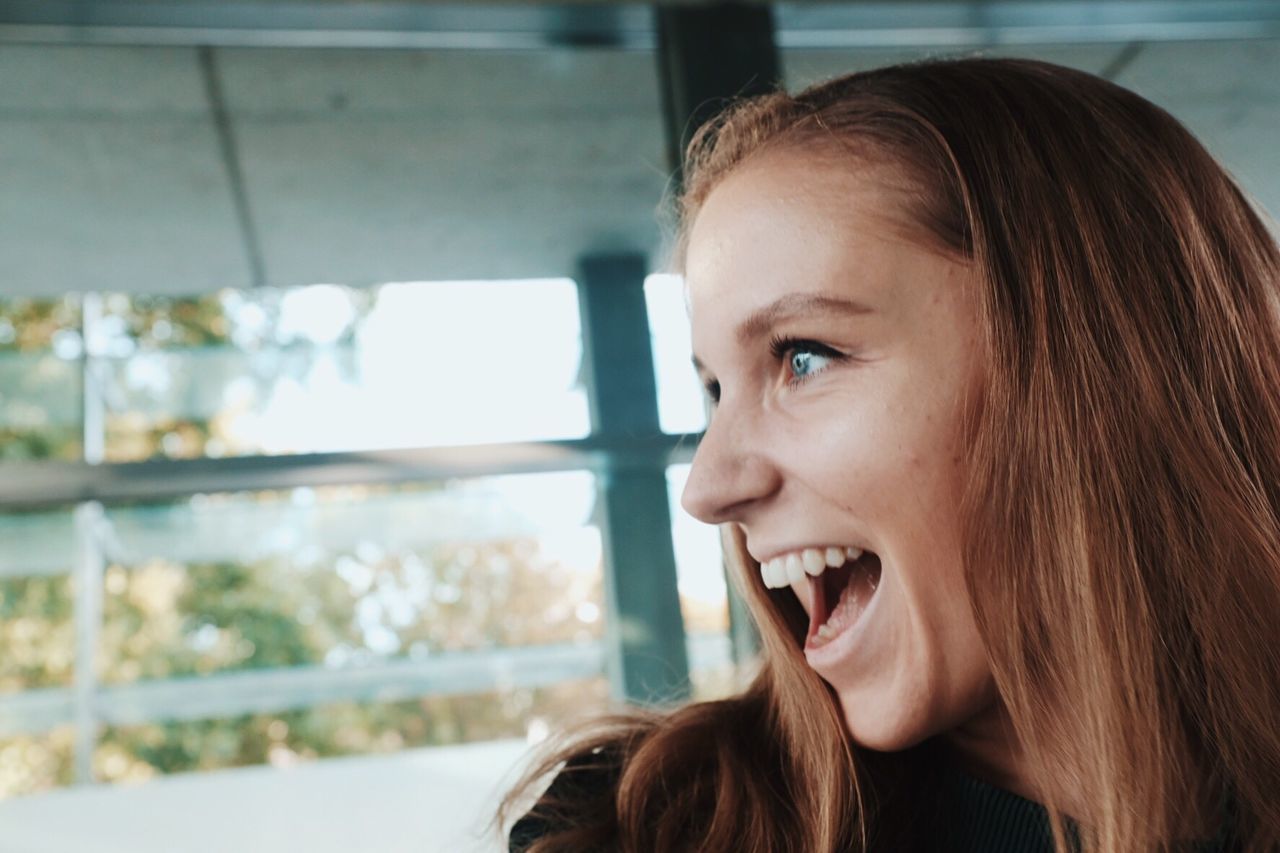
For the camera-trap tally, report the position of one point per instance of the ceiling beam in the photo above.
(707, 57)
(533, 25)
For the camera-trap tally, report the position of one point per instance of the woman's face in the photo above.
(841, 353)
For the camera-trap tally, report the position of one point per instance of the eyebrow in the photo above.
(796, 305)
(790, 306)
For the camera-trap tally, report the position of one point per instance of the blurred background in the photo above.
(344, 401)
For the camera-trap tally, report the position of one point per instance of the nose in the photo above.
(729, 474)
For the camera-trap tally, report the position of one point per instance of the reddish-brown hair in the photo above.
(1122, 517)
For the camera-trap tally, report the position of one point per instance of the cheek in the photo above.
(884, 462)
(895, 471)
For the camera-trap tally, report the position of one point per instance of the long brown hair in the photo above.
(1122, 515)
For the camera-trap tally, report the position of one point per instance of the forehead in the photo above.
(784, 223)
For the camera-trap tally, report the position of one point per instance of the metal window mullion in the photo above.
(93, 410)
(647, 655)
(90, 564)
(90, 561)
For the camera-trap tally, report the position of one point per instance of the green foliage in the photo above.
(39, 391)
(165, 620)
(340, 729)
(32, 763)
(155, 320)
(36, 633)
(29, 325)
(25, 445)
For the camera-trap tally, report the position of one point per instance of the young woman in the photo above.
(993, 355)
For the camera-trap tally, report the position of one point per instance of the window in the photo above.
(680, 403)
(328, 368)
(279, 624)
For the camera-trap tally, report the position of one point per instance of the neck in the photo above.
(986, 748)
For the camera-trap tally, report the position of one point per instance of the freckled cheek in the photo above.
(927, 441)
(883, 469)
(857, 464)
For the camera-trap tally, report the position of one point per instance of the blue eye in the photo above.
(805, 363)
(804, 358)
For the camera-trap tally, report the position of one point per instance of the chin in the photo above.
(883, 729)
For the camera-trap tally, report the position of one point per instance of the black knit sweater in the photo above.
(982, 817)
(971, 816)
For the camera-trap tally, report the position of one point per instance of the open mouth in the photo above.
(839, 595)
(842, 581)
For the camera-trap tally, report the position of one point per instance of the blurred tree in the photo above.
(165, 619)
(36, 633)
(40, 379)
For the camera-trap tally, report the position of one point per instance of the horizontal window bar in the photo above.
(33, 711)
(271, 690)
(25, 485)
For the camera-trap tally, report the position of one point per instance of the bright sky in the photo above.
(433, 363)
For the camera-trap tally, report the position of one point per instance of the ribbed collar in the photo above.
(982, 817)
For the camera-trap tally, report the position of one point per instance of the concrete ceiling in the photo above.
(183, 169)
(352, 167)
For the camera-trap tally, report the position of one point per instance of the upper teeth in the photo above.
(792, 567)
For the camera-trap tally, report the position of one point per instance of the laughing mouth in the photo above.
(840, 595)
(842, 581)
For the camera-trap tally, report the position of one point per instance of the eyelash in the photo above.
(782, 347)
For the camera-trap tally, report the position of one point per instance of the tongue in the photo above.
(855, 595)
(839, 595)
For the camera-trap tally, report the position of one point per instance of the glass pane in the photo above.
(680, 396)
(40, 379)
(30, 764)
(699, 564)
(346, 576)
(37, 631)
(329, 368)
(704, 601)
(140, 752)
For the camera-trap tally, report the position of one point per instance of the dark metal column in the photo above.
(707, 56)
(648, 661)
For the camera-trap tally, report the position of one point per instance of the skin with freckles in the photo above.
(841, 351)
